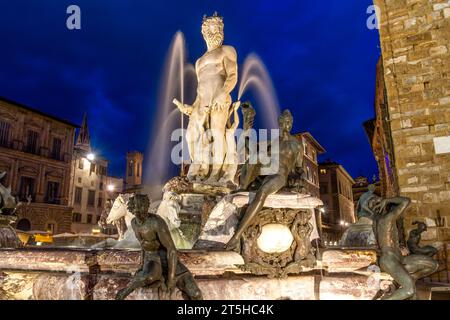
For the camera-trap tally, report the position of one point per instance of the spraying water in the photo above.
(256, 79)
(179, 80)
(158, 161)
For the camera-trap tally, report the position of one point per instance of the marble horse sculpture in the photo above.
(117, 213)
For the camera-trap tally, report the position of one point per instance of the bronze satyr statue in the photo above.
(290, 158)
(159, 255)
(405, 270)
(415, 236)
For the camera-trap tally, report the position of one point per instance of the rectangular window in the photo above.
(78, 195)
(81, 164)
(27, 189)
(91, 198)
(32, 142)
(102, 170)
(92, 168)
(100, 186)
(5, 130)
(76, 217)
(100, 202)
(56, 149)
(323, 189)
(130, 169)
(89, 218)
(52, 195)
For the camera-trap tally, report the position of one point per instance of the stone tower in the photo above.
(134, 169)
(414, 38)
(83, 139)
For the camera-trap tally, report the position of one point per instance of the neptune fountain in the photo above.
(239, 225)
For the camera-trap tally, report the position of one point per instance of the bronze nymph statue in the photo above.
(290, 158)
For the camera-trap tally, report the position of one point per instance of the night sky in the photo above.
(320, 55)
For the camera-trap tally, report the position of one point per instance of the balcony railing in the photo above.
(39, 151)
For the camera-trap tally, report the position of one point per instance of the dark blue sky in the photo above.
(320, 54)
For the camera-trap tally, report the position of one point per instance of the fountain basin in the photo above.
(55, 274)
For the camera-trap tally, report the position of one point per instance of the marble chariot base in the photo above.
(55, 274)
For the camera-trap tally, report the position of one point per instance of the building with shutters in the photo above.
(36, 152)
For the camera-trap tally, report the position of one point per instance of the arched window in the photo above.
(24, 225)
(130, 168)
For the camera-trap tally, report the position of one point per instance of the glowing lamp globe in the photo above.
(275, 238)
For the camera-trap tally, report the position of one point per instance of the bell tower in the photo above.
(134, 169)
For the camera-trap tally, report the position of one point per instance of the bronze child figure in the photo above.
(159, 256)
(415, 236)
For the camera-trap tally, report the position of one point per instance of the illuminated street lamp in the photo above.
(91, 157)
(111, 187)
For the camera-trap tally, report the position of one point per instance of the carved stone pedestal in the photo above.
(224, 218)
(278, 243)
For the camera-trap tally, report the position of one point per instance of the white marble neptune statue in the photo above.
(217, 73)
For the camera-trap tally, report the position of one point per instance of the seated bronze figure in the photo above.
(405, 270)
(415, 236)
(290, 158)
(160, 267)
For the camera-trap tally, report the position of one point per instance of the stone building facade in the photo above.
(312, 149)
(133, 177)
(91, 187)
(36, 153)
(415, 43)
(337, 195)
(379, 132)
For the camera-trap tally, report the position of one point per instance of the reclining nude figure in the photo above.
(290, 157)
(405, 270)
